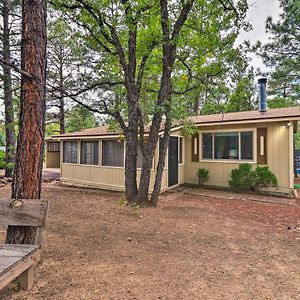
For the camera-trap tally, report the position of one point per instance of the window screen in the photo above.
(89, 153)
(53, 146)
(113, 153)
(70, 152)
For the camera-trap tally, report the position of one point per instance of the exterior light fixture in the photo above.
(287, 125)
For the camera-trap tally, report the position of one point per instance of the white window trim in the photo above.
(237, 161)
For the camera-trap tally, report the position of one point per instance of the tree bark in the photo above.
(161, 163)
(164, 95)
(130, 167)
(27, 178)
(144, 183)
(131, 153)
(61, 95)
(163, 99)
(8, 96)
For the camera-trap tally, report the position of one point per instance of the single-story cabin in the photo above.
(95, 157)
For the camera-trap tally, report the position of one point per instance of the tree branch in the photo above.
(16, 68)
(142, 67)
(105, 111)
(181, 19)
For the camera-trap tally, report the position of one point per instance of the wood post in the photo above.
(26, 279)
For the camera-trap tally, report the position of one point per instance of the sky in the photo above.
(257, 14)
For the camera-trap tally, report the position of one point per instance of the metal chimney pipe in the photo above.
(262, 91)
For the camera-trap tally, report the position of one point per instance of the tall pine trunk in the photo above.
(61, 95)
(8, 96)
(27, 178)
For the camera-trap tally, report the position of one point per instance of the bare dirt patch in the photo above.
(190, 247)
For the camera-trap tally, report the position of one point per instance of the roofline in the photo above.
(198, 124)
(266, 120)
(87, 137)
(83, 135)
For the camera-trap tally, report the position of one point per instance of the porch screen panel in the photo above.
(53, 146)
(226, 145)
(113, 153)
(89, 153)
(70, 152)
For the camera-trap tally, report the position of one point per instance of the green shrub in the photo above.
(244, 178)
(264, 178)
(203, 176)
(241, 178)
(2, 159)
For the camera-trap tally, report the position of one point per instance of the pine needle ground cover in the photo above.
(189, 247)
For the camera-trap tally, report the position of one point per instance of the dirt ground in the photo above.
(189, 247)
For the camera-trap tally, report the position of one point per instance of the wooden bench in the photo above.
(18, 260)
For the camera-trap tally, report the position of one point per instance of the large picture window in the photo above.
(227, 145)
(113, 153)
(70, 152)
(89, 153)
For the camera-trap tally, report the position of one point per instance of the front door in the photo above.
(173, 161)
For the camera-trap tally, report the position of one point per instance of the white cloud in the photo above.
(259, 11)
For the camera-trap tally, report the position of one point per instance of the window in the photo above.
(180, 151)
(113, 153)
(89, 153)
(246, 145)
(70, 152)
(53, 146)
(228, 145)
(207, 143)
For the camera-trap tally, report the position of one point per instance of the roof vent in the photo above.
(262, 91)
